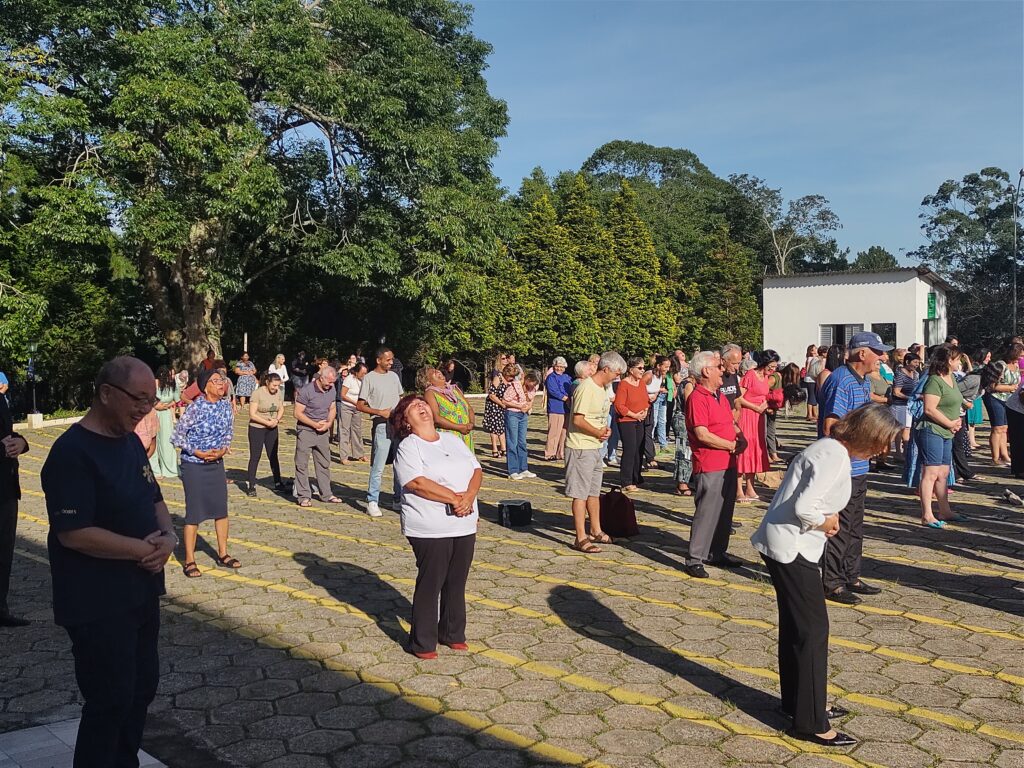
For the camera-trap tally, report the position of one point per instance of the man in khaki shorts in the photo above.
(584, 467)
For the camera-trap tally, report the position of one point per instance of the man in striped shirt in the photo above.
(847, 389)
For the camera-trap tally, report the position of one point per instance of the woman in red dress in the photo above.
(753, 404)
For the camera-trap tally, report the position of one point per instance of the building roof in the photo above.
(923, 272)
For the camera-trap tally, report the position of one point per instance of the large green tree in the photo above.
(874, 259)
(563, 287)
(970, 226)
(227, 143)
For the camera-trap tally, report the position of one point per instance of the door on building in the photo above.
(838, 334)
(932, 333)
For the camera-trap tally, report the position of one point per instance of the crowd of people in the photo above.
(914, 406)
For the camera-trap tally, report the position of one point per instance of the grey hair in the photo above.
(322, 373)
(747, 365)
(559, 361)
(612, 361)
(581, 368)
(700, 361)
(731, 348)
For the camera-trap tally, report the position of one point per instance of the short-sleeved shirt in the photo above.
(591, 401)
(147, 428)
(842, 392)
(317, 402)
(448, 462)
(950, 402)
(353, 385)
(267, 405)
(106, 482)
(705, 409)
(381, 391)
(730, 387)
(205, 426)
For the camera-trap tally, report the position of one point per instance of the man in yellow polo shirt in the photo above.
(584, 467)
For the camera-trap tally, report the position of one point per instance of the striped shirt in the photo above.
(842, 392)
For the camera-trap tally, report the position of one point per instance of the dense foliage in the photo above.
(316, 174)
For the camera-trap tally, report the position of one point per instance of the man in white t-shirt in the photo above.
(584, 465)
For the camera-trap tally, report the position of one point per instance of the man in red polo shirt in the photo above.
(713, 437)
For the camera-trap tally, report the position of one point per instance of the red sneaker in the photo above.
(457, 646)
(425, 655)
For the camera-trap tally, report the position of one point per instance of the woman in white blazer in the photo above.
(791, 539)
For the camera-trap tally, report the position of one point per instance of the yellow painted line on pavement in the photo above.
(667, 572)
(617, 693)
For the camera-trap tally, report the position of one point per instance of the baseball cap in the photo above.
(869, 340)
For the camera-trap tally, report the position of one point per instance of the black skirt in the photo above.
(206, 491)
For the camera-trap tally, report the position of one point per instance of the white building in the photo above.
(900, 305)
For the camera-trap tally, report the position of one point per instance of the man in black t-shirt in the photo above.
(110, 536)
(12, 445)
(732, 356)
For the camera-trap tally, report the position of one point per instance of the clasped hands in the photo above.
(162, 547)
(463, 504)
(213, 454)
(14, 446)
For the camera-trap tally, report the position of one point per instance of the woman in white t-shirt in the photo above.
(791, 539)
(440, 479)
(350, 420)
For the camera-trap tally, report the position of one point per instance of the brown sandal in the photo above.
(601, 538)
(191, 570)
(586, 547)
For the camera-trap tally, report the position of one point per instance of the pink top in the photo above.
(147, 428)
(516, 393)
(756, 388)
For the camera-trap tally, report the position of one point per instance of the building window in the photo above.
(887, 331)
(837, 334)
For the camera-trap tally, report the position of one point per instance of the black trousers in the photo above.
(117, 669)
(649, 449)
(961, 453)
(258, 440)
(631, 450)
(1015, 438)
(442, 570)
(803, 642)
(843, 551)
(8, 528)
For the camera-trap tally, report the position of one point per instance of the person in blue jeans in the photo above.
(659, 406)
(517, 401)
(380, 392)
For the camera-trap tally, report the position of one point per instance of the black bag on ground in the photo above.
(618, 515)
(514, 513)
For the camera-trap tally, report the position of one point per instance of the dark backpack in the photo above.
(618, 515)
(514, 513)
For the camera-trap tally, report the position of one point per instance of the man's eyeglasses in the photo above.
(151, 401)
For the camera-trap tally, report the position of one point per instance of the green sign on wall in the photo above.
(931, 305)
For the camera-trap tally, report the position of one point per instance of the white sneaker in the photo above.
(373, 509)
(516, 476)
(527, 473)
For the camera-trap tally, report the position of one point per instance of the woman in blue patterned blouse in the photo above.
(204, 435)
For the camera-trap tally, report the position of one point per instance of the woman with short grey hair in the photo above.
(556, 385)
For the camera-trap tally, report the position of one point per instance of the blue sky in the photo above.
(871, 104)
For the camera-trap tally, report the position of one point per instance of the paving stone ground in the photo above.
(617, 659)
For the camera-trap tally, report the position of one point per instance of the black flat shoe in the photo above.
(839, 740)
(696, 571)
(861, 587)
(843, 596)
(832, 713)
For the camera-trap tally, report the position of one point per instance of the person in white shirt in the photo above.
(440, 479)
(279, 368)
(350, 418)
(791, 540)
